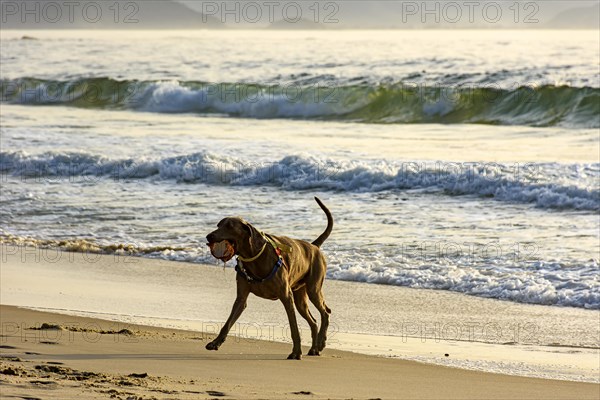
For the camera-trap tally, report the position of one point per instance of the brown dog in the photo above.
(277, 267)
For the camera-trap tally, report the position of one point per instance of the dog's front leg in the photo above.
(238, 307)
(288, 302)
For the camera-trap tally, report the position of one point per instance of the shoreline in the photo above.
(478, 334)
(98, 359)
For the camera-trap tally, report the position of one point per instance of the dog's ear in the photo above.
(247, 227)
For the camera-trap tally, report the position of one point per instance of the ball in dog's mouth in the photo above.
(223, 250)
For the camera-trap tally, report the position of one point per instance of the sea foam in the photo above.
(550, 185)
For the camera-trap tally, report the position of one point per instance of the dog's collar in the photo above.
(251, 278)
(255, 257)
(278, 247)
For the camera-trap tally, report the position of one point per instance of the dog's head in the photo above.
(233, 229)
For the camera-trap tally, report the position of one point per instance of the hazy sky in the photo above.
(323, 14)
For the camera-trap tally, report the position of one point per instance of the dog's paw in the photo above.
(314, 352)
(322, 342)
(214, 345)
(295, 356)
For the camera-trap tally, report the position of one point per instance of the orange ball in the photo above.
(222, 250)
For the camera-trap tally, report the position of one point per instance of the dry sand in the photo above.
(78, 361)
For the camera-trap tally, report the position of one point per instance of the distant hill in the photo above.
(577, 18)
(298, 25)
(121, 14)
(372, 14)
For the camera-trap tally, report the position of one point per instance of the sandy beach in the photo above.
(93, 358)
(76, 356)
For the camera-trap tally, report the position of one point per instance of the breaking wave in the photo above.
(548, 186)
(549, 105)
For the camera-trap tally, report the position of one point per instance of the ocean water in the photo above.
(466, 161)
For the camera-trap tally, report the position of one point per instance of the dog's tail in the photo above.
(319, 241)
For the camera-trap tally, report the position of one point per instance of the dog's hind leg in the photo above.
(301, 301)
(316, 297)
